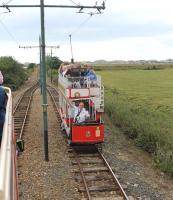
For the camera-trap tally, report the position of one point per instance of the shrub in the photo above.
(13, 72)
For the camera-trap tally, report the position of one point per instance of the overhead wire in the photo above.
(86, 20)
(5, 27)
(78, 28)
(81, 25)
(9, 33)
(8, 2)
(74, 2)
(6, 6)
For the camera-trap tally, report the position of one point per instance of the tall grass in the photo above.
(148, 122)
(102, 67)
(152, 131)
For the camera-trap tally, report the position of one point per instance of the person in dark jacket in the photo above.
(3, 101)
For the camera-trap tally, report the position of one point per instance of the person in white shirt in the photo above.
(80, 114)
(64, 70)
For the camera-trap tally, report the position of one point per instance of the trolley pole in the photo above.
(43, 66)
(72, 59)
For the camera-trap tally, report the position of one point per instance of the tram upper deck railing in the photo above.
(7, 152)
(79, 82)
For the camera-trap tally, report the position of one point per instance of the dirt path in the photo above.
(135, 168)
(41, 180)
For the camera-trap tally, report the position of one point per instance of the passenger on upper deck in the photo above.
(64, 70)
(78, 76)
(3, 100)
(91, 75)
(69, 69)
(75, 70)
(80, 114)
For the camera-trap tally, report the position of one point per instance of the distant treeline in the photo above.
(13, 71)
(100, 67)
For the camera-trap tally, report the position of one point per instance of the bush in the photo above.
(53, 62)
(32, 66)
(13, 72)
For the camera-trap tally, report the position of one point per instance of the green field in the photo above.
(141, 103)
(100, 67)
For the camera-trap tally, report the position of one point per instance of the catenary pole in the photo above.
(44, 93)
(40, 81)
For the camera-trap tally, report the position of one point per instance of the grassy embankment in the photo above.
(141, 103)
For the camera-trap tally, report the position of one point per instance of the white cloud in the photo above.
(136, 29)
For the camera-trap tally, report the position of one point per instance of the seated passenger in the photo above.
(76, 84)
(3, 100)
(91, 75)
(80, 113)
(61, 67)
(75, 72)
(64, 70)
(76, 65)
(83, 72)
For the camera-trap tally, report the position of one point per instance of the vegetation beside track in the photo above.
(13, 71)
(157, 66)
(140, 102)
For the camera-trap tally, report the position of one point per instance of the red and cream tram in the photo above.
(75, 88)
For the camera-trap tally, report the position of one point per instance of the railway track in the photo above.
(96, 180)
(21, 110)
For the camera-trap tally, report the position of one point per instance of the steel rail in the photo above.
(30, 90)
(83, 176)
(24, 120)
(18, 102)
(51, 95)
(113, 176)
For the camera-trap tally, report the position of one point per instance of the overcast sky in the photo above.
(128, 29)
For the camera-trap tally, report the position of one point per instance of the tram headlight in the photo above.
(88, 133)
(97, 132)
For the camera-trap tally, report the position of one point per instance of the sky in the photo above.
(126, 30)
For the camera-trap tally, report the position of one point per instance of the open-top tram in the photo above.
(79, 87)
